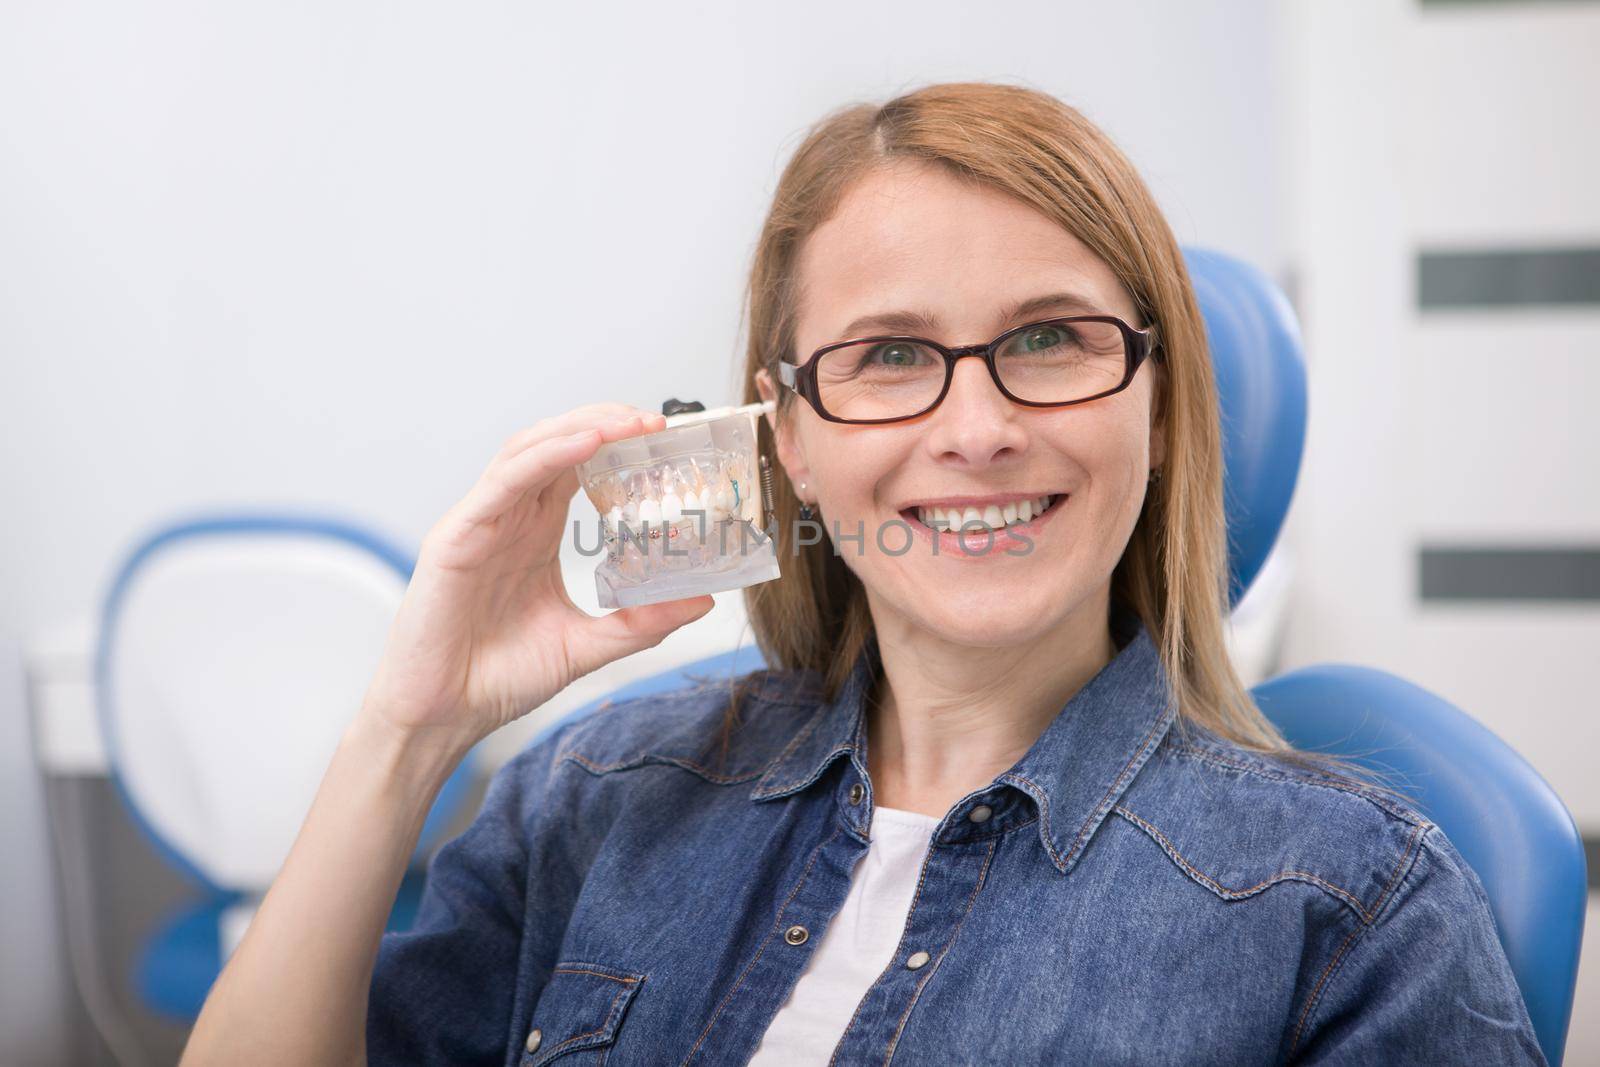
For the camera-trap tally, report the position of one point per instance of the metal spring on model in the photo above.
(766, 487)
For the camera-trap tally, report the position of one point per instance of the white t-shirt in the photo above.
(858, 944)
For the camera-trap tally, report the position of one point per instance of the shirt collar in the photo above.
(1075, 771)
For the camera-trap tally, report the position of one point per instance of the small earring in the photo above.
(1155, 475)
(806, 511)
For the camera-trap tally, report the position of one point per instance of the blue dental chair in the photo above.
(232, 651)
(1500, 814)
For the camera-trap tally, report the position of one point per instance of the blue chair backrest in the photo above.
(1503, 818)
(197, 529)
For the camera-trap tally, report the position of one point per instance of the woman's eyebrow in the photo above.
(926, 322)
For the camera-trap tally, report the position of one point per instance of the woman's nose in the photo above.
(975, 420)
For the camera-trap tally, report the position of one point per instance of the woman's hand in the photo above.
(487, 632)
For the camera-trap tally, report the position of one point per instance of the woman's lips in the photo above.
(1013, 540)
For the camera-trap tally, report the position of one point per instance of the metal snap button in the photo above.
(534, 1037)
(980, 813)
(917, 959)
(856, 793)
(796, 935)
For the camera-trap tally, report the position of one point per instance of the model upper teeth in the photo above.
(693, 495)
(994, 516)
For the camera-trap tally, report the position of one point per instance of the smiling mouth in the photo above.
(1020, 515)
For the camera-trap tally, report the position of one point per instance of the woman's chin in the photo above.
(984, 621)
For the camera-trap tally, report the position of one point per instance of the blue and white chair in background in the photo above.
(1499, 813)
(232, 652)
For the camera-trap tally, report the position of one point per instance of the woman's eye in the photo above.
(897, 355)
(1044, 337)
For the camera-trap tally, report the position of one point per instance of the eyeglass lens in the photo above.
(1050, 363)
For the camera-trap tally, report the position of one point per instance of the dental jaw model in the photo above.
(681, 510)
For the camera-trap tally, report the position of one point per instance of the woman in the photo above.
(1002, 799)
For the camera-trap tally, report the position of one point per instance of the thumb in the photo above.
(605, 638)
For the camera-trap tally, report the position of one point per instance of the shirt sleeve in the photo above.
(1427, 982)
(442, 990)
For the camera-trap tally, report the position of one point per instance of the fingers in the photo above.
(625, 631)
(572, 421)
(509, 480)
(545, 454)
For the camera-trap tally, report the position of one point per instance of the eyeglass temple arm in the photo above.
(1151, 341)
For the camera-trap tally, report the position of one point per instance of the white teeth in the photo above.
(671, 509)
(993, 516)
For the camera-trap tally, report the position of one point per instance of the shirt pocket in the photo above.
(578, 1014)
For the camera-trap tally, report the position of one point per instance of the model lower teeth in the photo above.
(995, 516)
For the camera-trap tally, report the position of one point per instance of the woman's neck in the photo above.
(945, 720)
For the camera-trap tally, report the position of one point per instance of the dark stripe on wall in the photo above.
(1508, 277)
(1506, 573)
(1493, 3)
(1591, 852)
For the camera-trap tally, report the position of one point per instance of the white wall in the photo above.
(330, 255)
(1428, 128)
(334, 253)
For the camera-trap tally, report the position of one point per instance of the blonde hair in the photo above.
(1036, 148)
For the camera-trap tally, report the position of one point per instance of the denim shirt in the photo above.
(1126, 893)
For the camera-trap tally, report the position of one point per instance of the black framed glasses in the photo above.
(1046, 364)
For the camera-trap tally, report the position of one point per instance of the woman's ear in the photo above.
(794, 464)
(768, 391)
(1158, 421)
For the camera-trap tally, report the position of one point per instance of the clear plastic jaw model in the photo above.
(682, 510)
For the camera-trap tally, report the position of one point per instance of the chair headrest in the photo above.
(232, 653)
(1261, 384)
